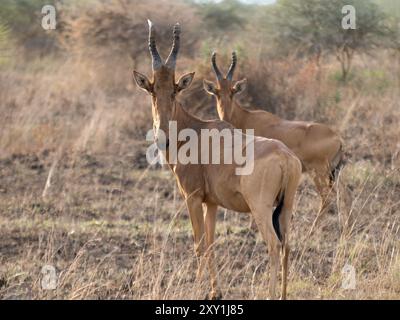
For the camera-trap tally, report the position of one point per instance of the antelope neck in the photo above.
(184, 120)
(238, 116)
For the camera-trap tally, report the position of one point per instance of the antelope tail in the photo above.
(281, 200)
(275, 217)
(336, 164)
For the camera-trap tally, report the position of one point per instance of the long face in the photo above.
(225, 89)
(163, 88)
(163, 97)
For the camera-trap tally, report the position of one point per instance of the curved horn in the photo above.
(229, 75)
(215, 67)
(157, 62)
(171, 60)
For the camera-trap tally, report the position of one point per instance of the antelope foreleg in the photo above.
(210, 220)
(196, 217)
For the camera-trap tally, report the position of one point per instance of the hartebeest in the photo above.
(317, 146)
(274, 180)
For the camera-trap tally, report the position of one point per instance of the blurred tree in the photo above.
(24, 17)
(119, 27)
(391, 7)
(314, 27)
(223, 17)
(4, 31)
(392, 10)
(4, 41)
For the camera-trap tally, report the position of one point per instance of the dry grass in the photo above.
(76, 191)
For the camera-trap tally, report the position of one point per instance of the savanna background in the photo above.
(77, 193)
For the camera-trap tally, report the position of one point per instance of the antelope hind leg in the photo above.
(263, 218)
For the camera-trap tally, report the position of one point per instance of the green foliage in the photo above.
(227, 16)
(390, 7)
(4, 34)
(208, 46)
(4, 43)
(315, 26)
(374, 80)
(23, 17)
(392, 10)
(338, 96)
(371, 80)
(337, 77)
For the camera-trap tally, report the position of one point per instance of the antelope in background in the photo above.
(274, 180)
(317, 146)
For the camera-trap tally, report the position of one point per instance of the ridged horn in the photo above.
(171, 60)
(231, 70)
(215, 67)
(157, 62)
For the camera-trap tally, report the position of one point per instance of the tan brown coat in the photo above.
(274, 180)
(318, 147)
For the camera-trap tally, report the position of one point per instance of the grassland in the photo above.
(77, 193)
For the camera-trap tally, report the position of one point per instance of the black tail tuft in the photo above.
(275, 218)
(335, 171)
(340, 163)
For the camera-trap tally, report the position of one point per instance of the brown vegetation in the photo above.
(77, 193)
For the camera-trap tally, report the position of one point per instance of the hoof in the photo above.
(214, 296)
(332, 210)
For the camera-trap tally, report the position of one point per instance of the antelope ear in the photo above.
(210, 87)
(185, 81)
(239, 86)
(142, 81)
